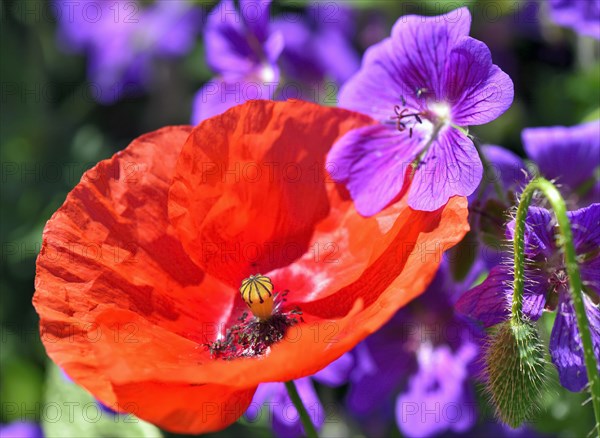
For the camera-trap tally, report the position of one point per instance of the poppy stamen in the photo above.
(261, 304)
(253, 336)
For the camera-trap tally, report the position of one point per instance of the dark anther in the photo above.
(401, 115)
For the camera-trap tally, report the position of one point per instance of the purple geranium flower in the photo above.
(283, 415)
(123, 39)
(421, 84)
(507, 169)
(243, 50)
(417, 367)
(250, 53)
(317, 44)
(569, 155)
(582, 16)
(547, 288)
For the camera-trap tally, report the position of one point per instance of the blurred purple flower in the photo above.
(508, 174)
(547, 288)
(569, 155)
(583, 16)
(422, 359)
(21, 429)
(122, 40)
(507, 169)
(317, 44)
(423, 82)
(243, 50)
(284, 417)
(257, 57)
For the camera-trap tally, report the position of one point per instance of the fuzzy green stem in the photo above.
(576, 286)
(309, 428)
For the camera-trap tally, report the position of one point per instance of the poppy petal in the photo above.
(111, 246)
(332, 325)
(260, 170)
(172, 306)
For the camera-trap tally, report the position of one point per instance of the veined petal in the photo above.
(539, 232)
(256, 17)
(590, 274)
(378, 85)
(478, 91)
(451, 167)
(422, 45)
(585, 226)
(228, 52)
(507, 168)
(490, 301)
(565, 342)
(372, 161)
(569, 155)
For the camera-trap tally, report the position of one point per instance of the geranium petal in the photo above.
(382, 363)
(590, 273)
(478, 91)
(256, 17)
(218, 95)
(568, 155)
(421, 48)
(336, 54)
(565, 342)
(451, 167)
(490, 301)
(539, 232)
(439, 383)
(286, 420)
(228, 52)
(585, 226)
(337, 372)
(378, 85)
(372, 162)
(507, 168)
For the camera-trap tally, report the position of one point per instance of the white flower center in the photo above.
(442, 111)
(267, 74)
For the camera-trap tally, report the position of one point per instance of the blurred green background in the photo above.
(51, 131)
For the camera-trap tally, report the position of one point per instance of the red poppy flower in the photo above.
(138, 279)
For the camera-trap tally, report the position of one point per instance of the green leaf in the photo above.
(69, 411)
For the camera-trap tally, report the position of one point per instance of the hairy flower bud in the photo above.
(515, 367)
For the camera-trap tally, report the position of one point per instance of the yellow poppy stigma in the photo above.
(257, 292)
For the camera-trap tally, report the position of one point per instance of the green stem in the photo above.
(576, 286)
(309, 428)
